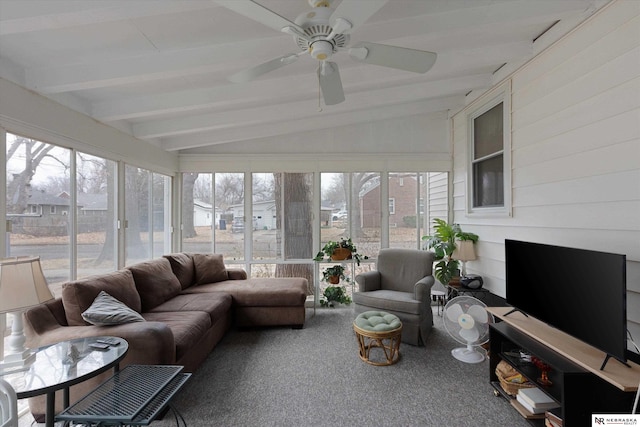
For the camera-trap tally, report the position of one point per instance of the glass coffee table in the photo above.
(59, 366)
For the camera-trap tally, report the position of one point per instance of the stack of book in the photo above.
(532, 403)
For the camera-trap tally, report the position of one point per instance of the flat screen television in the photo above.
(580, 292)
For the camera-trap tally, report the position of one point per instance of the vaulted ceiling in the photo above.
(159, 69)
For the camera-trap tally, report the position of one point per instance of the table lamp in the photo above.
(464, 252)
(22, 285)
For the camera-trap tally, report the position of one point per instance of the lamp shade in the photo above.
(464, 251)
(22, 284)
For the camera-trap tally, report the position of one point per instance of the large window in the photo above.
(147, 197)
(489, 147)
(96, 221)
(403, 209)
(199, 218)
(229, 201)
(62, 205)
(267, 233)
(37, 193)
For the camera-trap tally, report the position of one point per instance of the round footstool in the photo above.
(378, 329)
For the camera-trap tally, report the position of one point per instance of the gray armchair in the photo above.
(400, 286)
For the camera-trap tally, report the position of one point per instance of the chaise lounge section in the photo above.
(187, 302)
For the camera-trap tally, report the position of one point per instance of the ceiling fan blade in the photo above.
(254, 72)
(357, 12)
(402, 58)
(259, 13)
(330, 83)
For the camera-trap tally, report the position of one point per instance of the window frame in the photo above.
(503, 96)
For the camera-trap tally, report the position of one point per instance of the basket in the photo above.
(511, 380)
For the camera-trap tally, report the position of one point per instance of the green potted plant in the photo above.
(443, 243)
(333, 274)
(337, 251)
(333, 295)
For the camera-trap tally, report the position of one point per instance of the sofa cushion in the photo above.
(216, 304)
(182, 267)
(106, 311)
(78, 295)
(155, 282)
(188, 327)
(280, 292)
(209, 268)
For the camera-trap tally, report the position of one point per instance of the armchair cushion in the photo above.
(386, 300)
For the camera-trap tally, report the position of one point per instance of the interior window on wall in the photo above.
(95, 194)
(229, 202)
(488, 162)
(199, 218)
(403, 205)
(38, 191)
(489, 188)
(267, 237)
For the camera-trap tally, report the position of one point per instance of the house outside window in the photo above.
(392, 206)
(52, 209)
(489, 167)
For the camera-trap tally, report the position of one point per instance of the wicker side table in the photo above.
(378, 329)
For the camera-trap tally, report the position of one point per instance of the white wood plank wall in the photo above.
(575, 151)
(438, 203)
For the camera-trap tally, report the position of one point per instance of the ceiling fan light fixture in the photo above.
(321, 50)
(320, 3)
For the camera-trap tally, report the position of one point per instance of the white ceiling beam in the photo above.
(162, 65)
(58, 15)
(320, 121)
(468, 20)
(157, 66)
(234, 96)
(304, 109)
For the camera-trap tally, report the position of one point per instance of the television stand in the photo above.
(606, 359)
(578, 385)
(516, 310)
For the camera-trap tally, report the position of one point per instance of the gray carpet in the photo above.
(314, 377)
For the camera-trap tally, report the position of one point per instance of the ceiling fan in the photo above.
(322, 32)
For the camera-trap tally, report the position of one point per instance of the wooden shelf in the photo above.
(623, 377)
(579, 390)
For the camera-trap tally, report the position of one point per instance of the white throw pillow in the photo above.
(106, 310)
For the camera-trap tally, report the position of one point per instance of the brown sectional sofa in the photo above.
(188, 302)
